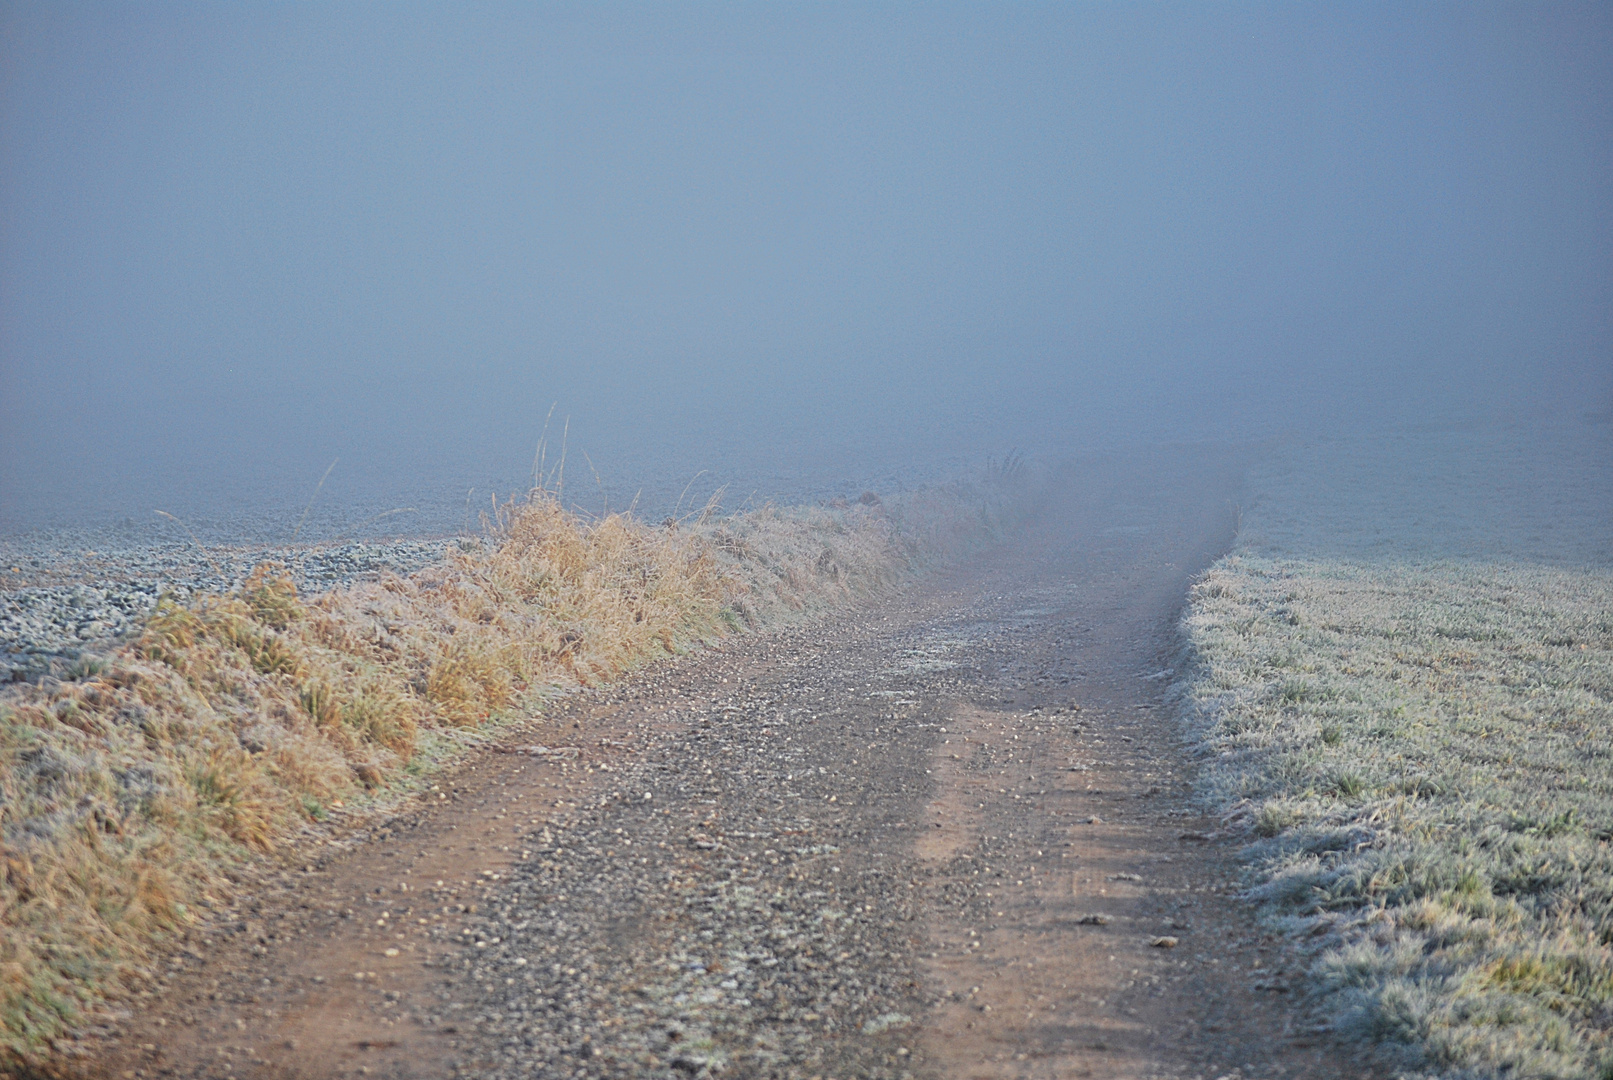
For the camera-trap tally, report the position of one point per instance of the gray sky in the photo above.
(237, 241)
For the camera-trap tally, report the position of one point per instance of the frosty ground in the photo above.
(1401, 681)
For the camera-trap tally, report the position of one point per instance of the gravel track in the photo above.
(947, 834)
(744, 901)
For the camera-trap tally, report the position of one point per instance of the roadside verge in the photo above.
(1412, 733)
(143, 793)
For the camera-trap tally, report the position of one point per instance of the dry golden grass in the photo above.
(130, 797)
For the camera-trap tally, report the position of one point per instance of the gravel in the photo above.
(743, 902)
(59, 609)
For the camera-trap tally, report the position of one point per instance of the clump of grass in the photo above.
(131, 793)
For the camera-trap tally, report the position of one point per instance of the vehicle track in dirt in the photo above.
(948, 834)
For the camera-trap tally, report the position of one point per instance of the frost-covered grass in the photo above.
(1402, 680)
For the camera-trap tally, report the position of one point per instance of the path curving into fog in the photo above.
(944, 835)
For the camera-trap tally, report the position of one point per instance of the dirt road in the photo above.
(946, 835)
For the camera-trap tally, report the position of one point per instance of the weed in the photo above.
(230, 787)
(87, 667)
(381, 713)
(1349, 785)
(1272, 819)
(272, 596)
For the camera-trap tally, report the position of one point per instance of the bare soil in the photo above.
(950, 834)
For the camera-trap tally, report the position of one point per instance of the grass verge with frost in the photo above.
(1422, 750)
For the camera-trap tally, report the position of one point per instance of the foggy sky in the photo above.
(238, 241)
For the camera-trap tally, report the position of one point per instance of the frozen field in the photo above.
(79, 573)
(1402, 682)
(88, 579)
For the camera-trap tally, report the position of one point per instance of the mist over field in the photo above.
(793, 250)
(1162, 587)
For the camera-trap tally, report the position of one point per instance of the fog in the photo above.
(790, 249)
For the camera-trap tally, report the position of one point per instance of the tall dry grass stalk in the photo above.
(131, 798)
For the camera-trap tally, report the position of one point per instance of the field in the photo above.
(140, 792)
(1401, 685)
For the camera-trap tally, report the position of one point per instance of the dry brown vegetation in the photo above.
(135, 794)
